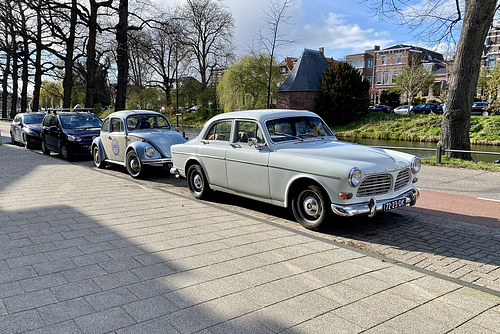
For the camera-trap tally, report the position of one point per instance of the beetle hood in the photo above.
(160, 139)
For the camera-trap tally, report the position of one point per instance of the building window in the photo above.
(356, 63)
(369, 63)
(384, 60)
(386, 78)
(490, 62)
(378, 77)
(399, 58)
(394, 73)
(369, 79)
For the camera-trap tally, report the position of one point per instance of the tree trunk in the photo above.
(122, 56)
(69, 61)
(5, 82)
(15, 78)
(464, 76)
(91, 56)
(38, 64)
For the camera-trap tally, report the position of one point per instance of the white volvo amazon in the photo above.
(292, 159)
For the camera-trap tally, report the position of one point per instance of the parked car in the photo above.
(69, 133)
(292, 159)
(481, 109)
(403, 110)
(381, 108)
(426, 108)
(25, 129)
(134, 138)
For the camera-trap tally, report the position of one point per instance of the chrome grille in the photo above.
(375, 185)
(402, 179)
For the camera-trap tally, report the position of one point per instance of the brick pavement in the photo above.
(97, 252)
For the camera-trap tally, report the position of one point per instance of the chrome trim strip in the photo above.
(410, 198)
(247, 162)
(305, 172)
(157, 161)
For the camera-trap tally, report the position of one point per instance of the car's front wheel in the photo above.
(485, 113)
(45, 149)
(63, 151)
(98, 162)
(27, 144)
(197, 182)
(134, 165)
(309, 207)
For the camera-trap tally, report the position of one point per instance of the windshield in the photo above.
(33, 119)
(80, 121)
(292, 128)
(140, 122)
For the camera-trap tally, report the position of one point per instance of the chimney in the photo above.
(376, 47)
(322, 50)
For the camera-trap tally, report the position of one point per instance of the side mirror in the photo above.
(254, 142)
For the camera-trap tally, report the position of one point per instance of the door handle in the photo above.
(234, 145)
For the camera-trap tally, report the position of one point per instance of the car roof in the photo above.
(264, 114)
(126, 113)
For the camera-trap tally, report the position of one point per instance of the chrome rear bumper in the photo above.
(371, 208)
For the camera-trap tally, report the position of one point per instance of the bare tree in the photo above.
(207, 34)
(475, 18)
(271, 39)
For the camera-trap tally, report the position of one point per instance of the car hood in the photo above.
(87, 133)
(160, 139)
(327, 156)
(35, 127)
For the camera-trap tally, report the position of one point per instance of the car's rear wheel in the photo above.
(63, 151)
(26, 142)
(45, 150)
(197, 182)
(485, 113)
(134, 165)
(12, 140)
(309, 207)
(98, 162)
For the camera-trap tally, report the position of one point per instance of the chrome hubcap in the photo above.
(198, 182)
(311, 206)
(134, 164)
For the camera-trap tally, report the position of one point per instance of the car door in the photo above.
(51, 132)
(248, 166)
(212, 152)
(115, 140)
(16, 128)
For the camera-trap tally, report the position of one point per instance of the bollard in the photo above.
(438, 154)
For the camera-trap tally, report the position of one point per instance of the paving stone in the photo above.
(104, 321)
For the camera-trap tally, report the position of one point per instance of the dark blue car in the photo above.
(25, 129)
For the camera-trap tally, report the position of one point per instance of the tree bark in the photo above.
(122, 56)
(69, 60)
(464, 76)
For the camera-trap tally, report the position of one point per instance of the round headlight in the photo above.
(355, 176)
(415, 165)
(150, 152)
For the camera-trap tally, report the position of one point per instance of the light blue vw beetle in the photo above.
(134, 138)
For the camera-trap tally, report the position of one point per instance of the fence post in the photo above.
(438, 154)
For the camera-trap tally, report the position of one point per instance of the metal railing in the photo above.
(439, 151)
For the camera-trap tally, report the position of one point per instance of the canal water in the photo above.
(192, 133)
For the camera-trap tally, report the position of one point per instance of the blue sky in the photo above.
(342, 27)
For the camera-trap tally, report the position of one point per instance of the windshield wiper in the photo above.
(288, 135)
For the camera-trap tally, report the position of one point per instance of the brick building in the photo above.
(380, 67)
(301, 87)
(491, 51)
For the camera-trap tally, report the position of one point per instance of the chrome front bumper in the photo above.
(371, 208)
(163, 161)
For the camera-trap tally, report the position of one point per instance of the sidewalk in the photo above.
(84, 251)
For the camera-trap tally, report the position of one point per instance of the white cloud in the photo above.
(335, 33)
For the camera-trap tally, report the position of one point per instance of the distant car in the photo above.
(69, 133)
(381, 108)
(480, 108)
(291, 158)
(134, 138)
(25, 129)
(426, 108)
(403, 110)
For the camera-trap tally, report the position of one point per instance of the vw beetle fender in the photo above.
(139, 146)
(97, 142)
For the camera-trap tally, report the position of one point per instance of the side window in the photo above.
(117, 125)
(17, 119)
(219, 131)
(46, 121)
(246, 130)
(105, 126)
